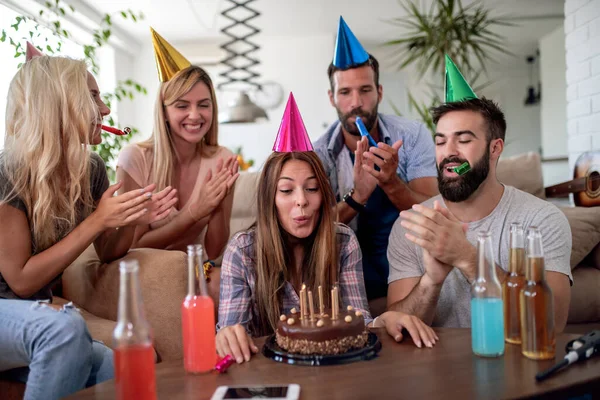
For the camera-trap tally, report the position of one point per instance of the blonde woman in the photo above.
(183, 152)
(295, 240)
(54, 202)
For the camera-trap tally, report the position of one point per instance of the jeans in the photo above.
(50, 350)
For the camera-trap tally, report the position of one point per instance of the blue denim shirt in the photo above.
(416, 157)
(372, 227)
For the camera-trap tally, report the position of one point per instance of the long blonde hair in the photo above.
(161, 141)
(50, 117)
(320, 266)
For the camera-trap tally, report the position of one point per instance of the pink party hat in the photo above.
(31, 52)
(292, 134)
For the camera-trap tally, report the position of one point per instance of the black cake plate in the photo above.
(273, 351)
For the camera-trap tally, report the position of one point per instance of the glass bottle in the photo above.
(487, 318)
(511, 288)
(134, 354)
(538, 340)
(198, 318)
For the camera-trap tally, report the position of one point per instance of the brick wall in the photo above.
(582, 42)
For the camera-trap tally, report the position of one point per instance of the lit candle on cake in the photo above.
(311, 305)
(334, 303)
(321, 305)
(302, 301)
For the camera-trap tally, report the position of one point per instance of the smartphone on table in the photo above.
(272, 392)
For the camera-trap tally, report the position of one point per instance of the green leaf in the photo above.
(3, 37)
(123, 14)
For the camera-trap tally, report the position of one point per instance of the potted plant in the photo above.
(465, 33)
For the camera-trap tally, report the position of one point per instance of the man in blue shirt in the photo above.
(372, 185)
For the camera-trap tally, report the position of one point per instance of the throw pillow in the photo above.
(585, 230)
(523, 171)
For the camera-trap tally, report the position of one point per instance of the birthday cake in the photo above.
(321, 334)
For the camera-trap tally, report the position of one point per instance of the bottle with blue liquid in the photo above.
(487, 314)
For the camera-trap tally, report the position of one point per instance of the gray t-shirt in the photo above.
(98, 185)
(453, 308)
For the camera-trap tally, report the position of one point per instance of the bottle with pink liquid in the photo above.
(134, 354)
(198, 318)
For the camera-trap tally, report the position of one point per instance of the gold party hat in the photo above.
(168, 60)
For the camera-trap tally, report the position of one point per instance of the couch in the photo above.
(94, 287)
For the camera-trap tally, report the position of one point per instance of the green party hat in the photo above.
(457, 88)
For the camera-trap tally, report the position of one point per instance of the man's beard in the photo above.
(368, 119)
(461, 188)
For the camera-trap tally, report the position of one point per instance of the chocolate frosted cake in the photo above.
(322, 334)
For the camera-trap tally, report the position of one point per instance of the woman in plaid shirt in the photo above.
(295, 241)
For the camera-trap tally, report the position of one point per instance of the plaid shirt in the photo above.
(238, 279)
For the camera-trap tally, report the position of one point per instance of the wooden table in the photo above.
(449, 370)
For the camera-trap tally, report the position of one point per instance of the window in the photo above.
(9, 64)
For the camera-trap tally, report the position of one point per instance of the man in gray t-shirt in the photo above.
(432, 251)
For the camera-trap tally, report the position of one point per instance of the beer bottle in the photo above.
(537, 304)
(513, 284)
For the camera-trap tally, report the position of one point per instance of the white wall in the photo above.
(553, 76)
(509, 89)
(299, 64)
(582, 42)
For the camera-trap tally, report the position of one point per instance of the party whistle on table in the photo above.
(224, 363)
(115, 131)
(579, 349)
(462, 168)
(363, 131)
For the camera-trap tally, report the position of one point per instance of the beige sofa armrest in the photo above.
(95, 287)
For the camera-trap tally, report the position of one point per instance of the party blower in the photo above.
(462, 168)
(364, 132)
(115, 131)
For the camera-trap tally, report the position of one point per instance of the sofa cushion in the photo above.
(585, 302)
(523, 171)
(593, 259)
(585, 231)
(163, 281)
(243, 214)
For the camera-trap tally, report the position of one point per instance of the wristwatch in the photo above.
(353, 203)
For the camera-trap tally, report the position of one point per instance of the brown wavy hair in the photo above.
(320, 265)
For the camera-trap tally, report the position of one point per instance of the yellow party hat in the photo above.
(168, 60)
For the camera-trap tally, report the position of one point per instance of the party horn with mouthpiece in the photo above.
(115, 131)
(363, 131)
(462, 168)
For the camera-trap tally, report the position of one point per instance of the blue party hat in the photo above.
(348, 50)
